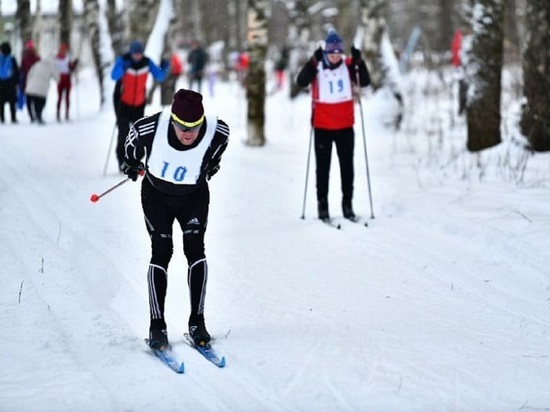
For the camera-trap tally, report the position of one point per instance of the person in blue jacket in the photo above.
(9, 80)
(130, 72)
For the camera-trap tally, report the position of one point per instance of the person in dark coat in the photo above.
(197, 60)
(9, 81)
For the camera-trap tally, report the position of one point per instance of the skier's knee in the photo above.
(162, 248)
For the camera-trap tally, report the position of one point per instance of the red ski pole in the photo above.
(94, 198)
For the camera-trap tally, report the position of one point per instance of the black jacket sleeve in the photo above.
(214, 154)
(139, 139)
(307, 74)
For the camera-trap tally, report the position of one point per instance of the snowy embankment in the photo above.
(443, 303)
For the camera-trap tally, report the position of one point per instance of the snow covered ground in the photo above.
(442, 304)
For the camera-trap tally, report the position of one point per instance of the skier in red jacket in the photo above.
(332, 76)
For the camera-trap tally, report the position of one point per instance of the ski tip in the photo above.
(181, 368)
(222, 363)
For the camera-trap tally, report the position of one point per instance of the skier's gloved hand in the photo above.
(212, 171)
(318, 55)
(355, 54)
(132, 171)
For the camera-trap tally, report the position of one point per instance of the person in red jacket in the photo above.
(130, 72)
(65, 67)
(332, 76)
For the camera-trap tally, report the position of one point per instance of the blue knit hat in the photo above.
(136, 47)
(334, 43)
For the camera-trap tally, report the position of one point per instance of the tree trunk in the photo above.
(298, 38)
(446, 26)
(255, 84)
(535, 119)
(23, 16)
(91, 19)
(483, 75)
(65, 22)
(37, 23)
(347, 21)
(373, 25)
(142, 18)
(511, 34)
(117, 26)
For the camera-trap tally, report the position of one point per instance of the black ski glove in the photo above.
(355, 55)
(318, 55)
(212, 171)
(132, 171)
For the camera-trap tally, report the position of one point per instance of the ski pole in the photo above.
(94, 198)
(110, 148)
(364, 138)
(307, 172)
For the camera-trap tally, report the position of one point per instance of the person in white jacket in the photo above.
(38, 84)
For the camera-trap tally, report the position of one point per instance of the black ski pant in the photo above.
(126, 116)
(344, 141)
(36, 106)
(8, 94)
(191, 212)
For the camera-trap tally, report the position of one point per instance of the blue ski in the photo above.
(168, 357)
(207, 351)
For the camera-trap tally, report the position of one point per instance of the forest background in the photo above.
(394, 36)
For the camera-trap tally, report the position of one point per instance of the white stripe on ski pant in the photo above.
(153, 298)
(203, 287)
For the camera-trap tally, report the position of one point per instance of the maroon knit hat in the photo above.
(187, 109)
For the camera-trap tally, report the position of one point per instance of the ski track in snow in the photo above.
(442, 303)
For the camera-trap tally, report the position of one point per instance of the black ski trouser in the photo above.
(191, 212)
(344, 140)
(8, 94)
(126, 116)
(36, 106)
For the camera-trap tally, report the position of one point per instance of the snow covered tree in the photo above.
(379, 54)
(535, 120)
(373, 26)
(298, 38)
(143, 14)
(65, 21)
(255, 83)
(117, 26)
(91, 21)
(483, 75)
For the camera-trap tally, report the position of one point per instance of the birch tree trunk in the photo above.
(65, 22)
(255, 84)
(535, 120)
(91, 20)
(142, 18)
(373, 25)
(483, 75)
(379, 55)
(298, 38)
(117, 26)
(37, 23)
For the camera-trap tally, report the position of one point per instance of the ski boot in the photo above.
(198, 331)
